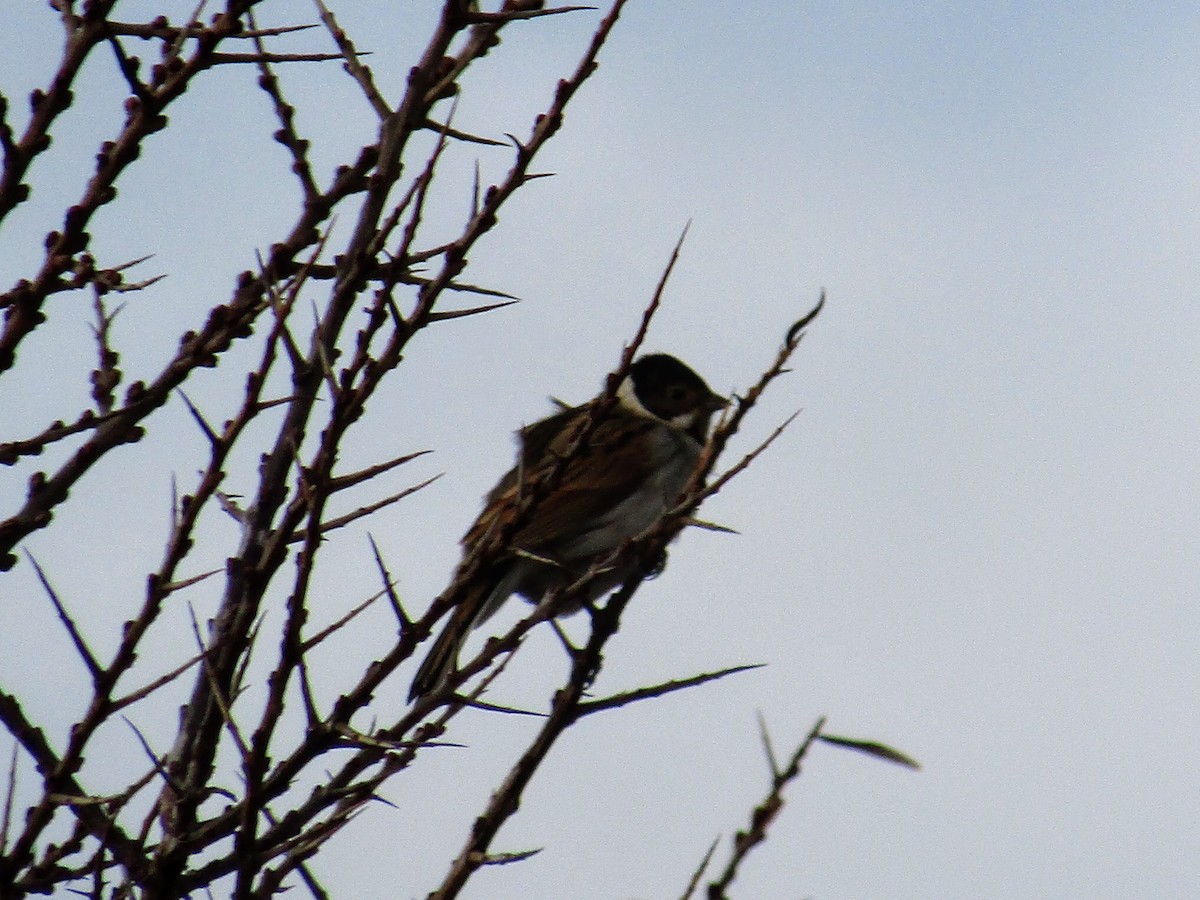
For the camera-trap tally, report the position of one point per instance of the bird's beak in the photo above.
(715, 402)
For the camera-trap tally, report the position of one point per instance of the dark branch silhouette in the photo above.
(318, 325)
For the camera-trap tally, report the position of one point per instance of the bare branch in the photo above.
(11, 451)
(504, 859)
(513, 15)
(631, 349)
(767, 748)
(505, 710)
(162, 680)
(460, 313)
(357, 70)
(872, 748)
(444, 128)
(692, 522)
(212, 436)
(342, 521)
(106, 376)
(402, 619)
(81, 647)
(744, 463)
(762, 815)
(9, 794)
(219, 59)
(341, 482)
(659, 690)
(339, 624)
(188, 582)
(694, 882)
(155, 760)
(285, 112)
(373, 284)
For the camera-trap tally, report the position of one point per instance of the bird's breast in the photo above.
(670, 457)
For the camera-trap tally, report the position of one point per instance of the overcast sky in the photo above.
(978, 542)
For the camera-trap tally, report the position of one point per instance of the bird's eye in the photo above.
(677, 394)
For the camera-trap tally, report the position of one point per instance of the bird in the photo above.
(628, 472)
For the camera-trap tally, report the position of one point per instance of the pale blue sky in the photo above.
(978, 542)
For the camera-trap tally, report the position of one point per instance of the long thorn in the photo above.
(81, 646)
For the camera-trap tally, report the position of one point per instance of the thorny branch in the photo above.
(568, 704)
(765, 812)
(297, 474)
(326, 316)
(769, 807)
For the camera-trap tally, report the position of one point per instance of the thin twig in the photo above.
(659, 690)
(762, 815)
(9, 794)
(145, 691)
(342, 521)
(698, 873)
(359, 72)
(639, 336)
(81, 647)
(339, 624)
(341, 482)
(389, 588)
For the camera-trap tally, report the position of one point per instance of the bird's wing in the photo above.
(605, 471)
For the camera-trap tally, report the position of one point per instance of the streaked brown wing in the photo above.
(609, 468)
(534, 441)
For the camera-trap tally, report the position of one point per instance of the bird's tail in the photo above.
(442, 658)
(480, 602)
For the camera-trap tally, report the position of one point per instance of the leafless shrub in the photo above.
(321, 321)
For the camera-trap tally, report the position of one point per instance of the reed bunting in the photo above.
(631, 470)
